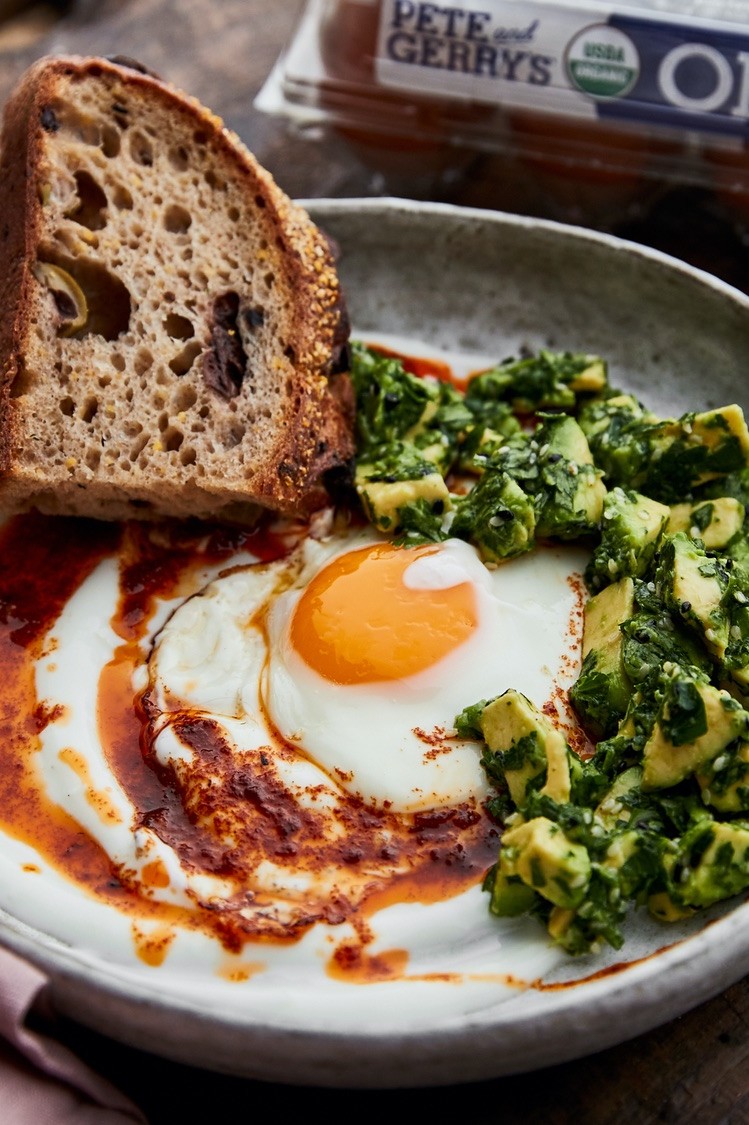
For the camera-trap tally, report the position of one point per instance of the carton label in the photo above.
(577, 59)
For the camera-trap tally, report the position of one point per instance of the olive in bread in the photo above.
(173, 337)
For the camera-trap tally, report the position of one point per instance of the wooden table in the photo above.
(693, 1071)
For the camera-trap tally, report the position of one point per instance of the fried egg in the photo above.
(359, 654)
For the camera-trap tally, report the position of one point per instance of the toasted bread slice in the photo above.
(172, 326)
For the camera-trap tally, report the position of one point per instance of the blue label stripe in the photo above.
(669, 84)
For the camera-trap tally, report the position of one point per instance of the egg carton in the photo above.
(583, 110)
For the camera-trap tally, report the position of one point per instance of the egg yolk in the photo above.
(358, 622)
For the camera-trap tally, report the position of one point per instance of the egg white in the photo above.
(387, 743)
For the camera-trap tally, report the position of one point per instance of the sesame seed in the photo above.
(720, 763)
(736, 632)
(740, 597)
(694, 531)
(711, 635)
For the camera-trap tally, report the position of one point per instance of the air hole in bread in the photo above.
(234, 437)
(163, 420)
(83, 126)
(141, 148)
(89, 410)
(92, 203)
(179, 158)
(233, 214)
(269, 280)
(143, 361)
(187, 456)
(177, 220)
(214, 181)
(259, 201)
(179, 327)
(184, 397)
(92, 459)
(253, 317)
(182, 363)
(138, 446)
(122, 199)
(110, 141)
(67, 406)
(117, 361)
(200, 137)
(173, 439)
(119, 112)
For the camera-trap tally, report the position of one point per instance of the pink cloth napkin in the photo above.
(41, 1081)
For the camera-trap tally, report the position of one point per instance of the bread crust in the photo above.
(309, 432)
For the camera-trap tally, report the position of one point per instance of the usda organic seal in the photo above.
(602, 61)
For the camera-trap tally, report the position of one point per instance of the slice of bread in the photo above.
(172, 333)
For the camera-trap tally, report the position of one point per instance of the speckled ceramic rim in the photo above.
(491, 281)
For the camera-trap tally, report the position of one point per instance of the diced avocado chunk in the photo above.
(390, 401)
(724, 432)
(510, 896)
(724, 781)
(549, 379)
(711, 863)
(695, 722)
(539, 853)
(631, 528)
(615, 428)
(496, 516)
(386, 494)
(478, 449)
(530, 747)
(692, 450)
(693, 586)
(571, 492)
(715, 522)
(663, 907)
(664, 459)
(611, 810)
(601, 693)
(592, 378)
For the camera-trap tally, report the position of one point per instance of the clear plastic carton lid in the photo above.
(419, 69)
